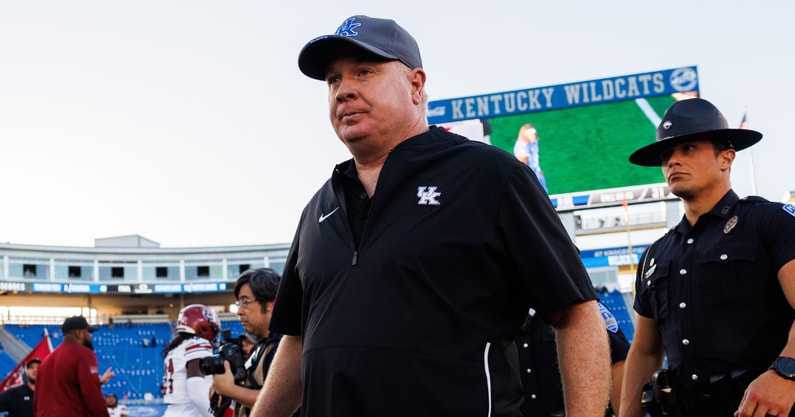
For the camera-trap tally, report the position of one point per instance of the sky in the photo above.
(189, 123)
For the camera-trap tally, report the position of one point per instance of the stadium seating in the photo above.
(127, 348)
(134, 352)
(138, 362)
(31, 334)
(233, 326)
(6, 363)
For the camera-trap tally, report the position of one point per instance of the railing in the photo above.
(7, 317)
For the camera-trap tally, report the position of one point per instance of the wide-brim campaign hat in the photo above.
(690, 120)
(381, 37)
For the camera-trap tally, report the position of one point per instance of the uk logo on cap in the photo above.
(348, 28)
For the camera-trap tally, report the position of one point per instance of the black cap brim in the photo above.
(649, 155)
(314, 58)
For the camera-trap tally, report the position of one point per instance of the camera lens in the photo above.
(211, 365)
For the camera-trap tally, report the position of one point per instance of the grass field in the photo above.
(587, 148)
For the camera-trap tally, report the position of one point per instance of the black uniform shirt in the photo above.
(18, 401)
(540, 372)
(418, 319)
(713, 289)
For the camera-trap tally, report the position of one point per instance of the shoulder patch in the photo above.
(610, 320)
(789, 208)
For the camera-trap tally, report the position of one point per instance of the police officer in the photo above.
(716, 294)
(540, 373)
(255, 291)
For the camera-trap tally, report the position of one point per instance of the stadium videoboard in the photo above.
(577, 137)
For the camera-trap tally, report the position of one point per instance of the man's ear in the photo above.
(417, 81)
(727, 158)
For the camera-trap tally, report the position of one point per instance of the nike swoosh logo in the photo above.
(326, 216)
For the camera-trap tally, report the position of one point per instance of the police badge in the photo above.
(729, 226)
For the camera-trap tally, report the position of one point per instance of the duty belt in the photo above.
(664, 397)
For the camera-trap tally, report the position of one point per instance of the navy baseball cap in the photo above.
(691, 120)
(381, 37)
(77, 323)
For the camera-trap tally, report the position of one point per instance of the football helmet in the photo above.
(199, 320)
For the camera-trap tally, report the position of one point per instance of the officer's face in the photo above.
(692, 168)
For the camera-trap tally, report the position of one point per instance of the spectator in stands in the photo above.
(114, 408)
(185, 388)
(255, 291)
(18, 401)
(68, 382)
(538, 360)
(716, 294)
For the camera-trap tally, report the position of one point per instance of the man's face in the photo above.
(254, 315)
(111, 401)
(32, 370)
(692, 167)
(85, 338)
(371, 103)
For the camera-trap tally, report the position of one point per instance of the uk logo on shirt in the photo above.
(789, 208)
(428, 196)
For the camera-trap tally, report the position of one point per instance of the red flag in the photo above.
(41, 351)
(744, 122)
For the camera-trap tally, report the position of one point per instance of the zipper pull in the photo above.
(355, 258)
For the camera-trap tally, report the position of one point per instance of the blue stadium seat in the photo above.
(233, 325)
(6, 363)
(126, 348)
(129, 351)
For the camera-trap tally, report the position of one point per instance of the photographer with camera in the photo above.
(255, 291)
